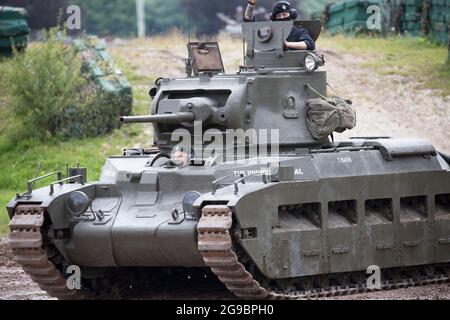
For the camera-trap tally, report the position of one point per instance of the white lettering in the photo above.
(74, 20)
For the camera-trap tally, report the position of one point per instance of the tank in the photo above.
(301, 217)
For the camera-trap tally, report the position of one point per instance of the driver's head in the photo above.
(282, 11)
(182, 155)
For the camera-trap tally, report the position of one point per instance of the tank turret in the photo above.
(269, 92)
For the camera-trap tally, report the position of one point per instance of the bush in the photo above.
(50, 95)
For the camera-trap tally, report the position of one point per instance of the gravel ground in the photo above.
(16, 285)
(389, 105)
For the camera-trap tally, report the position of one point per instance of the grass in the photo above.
(416, 58)
(142, 61)
(5, 197)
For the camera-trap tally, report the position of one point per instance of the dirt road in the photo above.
(16, 285)
(389, 105)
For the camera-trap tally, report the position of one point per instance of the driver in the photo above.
(182, 156)
(299, 38)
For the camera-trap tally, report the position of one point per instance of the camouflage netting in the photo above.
(100, 66)
(116, 98)
(348, 16)
(14, 29)
(413, 17)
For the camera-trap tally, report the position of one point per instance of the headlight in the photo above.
(188, 202)
(311, 62)
(78, 202)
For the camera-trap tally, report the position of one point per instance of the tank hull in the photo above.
(358, 210)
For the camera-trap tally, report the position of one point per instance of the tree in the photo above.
(163, 15)
(108, 17)
(118, 17)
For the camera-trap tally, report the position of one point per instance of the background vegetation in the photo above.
(52, 95)
(118, 17)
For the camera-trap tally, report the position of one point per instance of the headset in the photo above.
(293, 12)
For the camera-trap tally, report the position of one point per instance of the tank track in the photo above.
(216, 246)
(28, 245)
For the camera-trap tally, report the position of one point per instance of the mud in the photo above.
(17, 285)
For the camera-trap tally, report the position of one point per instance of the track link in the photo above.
(214, 242)
(216, 246)
(26, 241)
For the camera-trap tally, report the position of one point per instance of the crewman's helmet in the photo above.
(182, 155)
(280, 7)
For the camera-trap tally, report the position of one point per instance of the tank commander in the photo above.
(299, 38)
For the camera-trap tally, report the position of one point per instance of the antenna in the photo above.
(188, 61)
(37, 173)
(244, 58)
(190, 17)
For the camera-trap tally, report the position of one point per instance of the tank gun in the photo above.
(161, 118)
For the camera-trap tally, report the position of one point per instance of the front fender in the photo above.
(54, 204)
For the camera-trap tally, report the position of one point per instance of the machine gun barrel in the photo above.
(161, 118)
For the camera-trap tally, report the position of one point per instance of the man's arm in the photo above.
(250, 11)
(300, 39)
(302, 45)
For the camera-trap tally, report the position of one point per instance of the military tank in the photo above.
(304, 219)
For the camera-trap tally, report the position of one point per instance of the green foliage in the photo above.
(5, 197)
(43, 83)
(118, 17)
(52, 97)
(310, 7)
(163, 15)
(96, 113)
(109, 17)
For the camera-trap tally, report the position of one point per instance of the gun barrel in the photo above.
(161, 118)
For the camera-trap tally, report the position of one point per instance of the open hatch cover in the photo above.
(206, 57)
